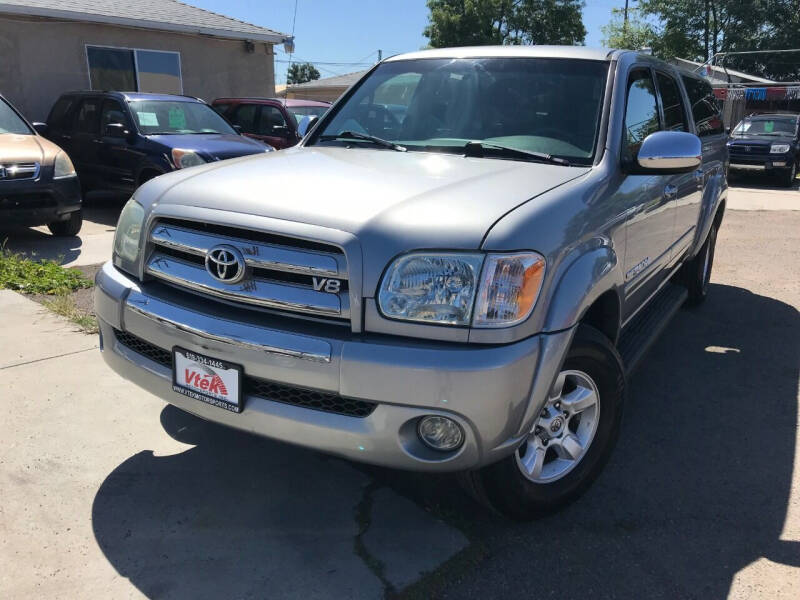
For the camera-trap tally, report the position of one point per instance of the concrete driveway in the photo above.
(107, 492)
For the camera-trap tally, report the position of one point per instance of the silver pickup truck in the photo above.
(456, 270)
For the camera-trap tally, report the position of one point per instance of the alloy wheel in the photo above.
(562, 434)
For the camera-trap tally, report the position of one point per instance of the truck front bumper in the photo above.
(493, 392)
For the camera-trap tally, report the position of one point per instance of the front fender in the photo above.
(715, 191)
(584, 280)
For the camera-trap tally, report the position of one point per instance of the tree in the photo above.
(633, 35)
(300, 73)
(700, 29)
(495, 22)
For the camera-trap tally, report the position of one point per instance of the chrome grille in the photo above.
(18, 171)
(282, 273)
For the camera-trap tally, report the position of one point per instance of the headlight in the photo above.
(779, 148)
(126, 238)
(442, 288)
(186, 158)
(433, 288)
(63, 166)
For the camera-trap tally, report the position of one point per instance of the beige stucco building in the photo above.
(48, 47)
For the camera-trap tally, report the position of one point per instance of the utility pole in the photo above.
(380, 55)
(625, 22)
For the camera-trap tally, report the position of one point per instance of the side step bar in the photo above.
(638, 335)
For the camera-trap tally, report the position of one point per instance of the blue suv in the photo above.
(119, 140)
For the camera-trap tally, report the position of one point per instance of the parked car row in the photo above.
(115, 141)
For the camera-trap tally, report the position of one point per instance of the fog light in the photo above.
(440, 433)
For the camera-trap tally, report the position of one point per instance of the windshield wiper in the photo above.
(478, 149)
(354, 135)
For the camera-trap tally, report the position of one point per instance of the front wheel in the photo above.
(70, 227)
(571, 439)
(696, 273)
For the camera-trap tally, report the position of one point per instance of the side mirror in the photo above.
(305, 124)
(116, 130)
(41, 128)
(666, 152)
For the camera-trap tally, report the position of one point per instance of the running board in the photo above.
(638, 335)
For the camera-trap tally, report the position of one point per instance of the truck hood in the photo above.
(391, 201)
(212, 145)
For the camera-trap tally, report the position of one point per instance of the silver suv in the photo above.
(456, 269)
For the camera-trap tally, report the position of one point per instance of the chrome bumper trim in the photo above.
(231, 332)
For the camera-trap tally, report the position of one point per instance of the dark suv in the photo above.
(767, 143)
(119, 140)
(279, 123)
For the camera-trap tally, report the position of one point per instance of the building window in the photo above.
(127, 70)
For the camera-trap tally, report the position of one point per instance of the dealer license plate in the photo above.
(207, 379)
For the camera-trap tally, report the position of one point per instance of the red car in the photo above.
(271, 120)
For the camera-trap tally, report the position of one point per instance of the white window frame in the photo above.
(135, 63)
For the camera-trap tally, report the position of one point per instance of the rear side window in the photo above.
(88, 117)
(671, 103)
(641, 112)
(58, 114)
(706, 115)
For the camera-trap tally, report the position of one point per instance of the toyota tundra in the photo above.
(455, 270)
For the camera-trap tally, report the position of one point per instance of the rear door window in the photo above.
(707, 118)
(641, 112)
(88, 118)
(671, 103)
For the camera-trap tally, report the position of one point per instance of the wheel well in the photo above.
(604, 315)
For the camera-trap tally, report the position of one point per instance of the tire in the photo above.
(789, 176)
(592, 359)
(70, 227)
(696, 273)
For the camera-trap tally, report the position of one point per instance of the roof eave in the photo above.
(270, 38)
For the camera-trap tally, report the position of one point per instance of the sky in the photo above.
(352, 31)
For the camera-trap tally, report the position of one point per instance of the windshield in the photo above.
(171, 117)
(542, 105)
(298, 112)
(10, 121)
(766, 126)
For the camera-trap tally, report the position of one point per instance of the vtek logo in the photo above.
(208, 382)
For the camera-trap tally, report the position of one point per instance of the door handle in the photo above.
(670, 191)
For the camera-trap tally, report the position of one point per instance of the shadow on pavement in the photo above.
(697, 488)
(235, 516)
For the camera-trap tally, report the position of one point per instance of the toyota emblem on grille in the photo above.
(225, 263)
